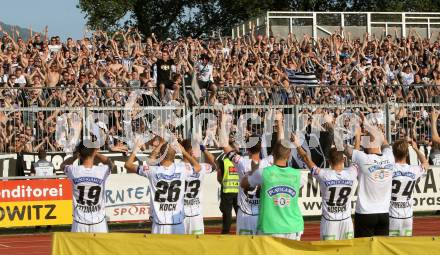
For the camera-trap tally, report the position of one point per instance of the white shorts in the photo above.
(291, 236)
(246, 224)
(94, 228)
(194, 225)
(336, 230)
(401, 227)
(178, 229)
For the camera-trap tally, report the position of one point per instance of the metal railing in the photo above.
(55, 129)
(78, 97)
(319, 24)
(397, 120)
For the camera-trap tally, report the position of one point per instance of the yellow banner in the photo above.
(120, 243)
(35, 213)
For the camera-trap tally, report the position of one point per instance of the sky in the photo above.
(61, 16)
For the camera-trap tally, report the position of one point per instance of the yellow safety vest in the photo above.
(230, 181)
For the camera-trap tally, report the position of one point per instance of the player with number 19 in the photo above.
(404, 179)
(88, 182)
(167, 186)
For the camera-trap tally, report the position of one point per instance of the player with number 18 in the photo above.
(336, 185)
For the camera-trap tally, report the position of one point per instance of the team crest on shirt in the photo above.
(281, 195)
(380, 173)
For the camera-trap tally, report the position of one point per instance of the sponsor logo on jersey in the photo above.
(338, 182)
(194, 175)
(281, 195)
(161, 176)
(87, 179)
(405, 174)
(379, 167)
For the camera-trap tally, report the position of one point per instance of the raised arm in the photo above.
(357, 138)
(69, 161)
(434, 117)
(302, 153)
(190, 158)
(104, 160)
(130, 163)
(423, 161)
(348, 150)
(385, 143)
(210, 159)
(245, 183)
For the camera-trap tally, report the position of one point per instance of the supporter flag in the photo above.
(196, 89)
(301, 78)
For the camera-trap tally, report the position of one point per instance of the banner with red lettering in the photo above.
(127, 198)
(35, 203)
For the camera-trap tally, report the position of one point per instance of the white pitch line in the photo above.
(4, 245)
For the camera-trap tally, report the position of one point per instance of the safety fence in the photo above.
(279, 94)
(29, 129)
(397, 120)
(235, 92)
(87, 95)
(113, 129)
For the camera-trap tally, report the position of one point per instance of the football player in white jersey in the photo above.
(404, 179)
(88, 182)
(375, 176)
(193, 190)
(336, 186)
(167, 186)
(248, 200)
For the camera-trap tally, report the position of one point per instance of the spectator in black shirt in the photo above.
(164, 69)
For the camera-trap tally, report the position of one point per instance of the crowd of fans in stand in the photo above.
(101, 70)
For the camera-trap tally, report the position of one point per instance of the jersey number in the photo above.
(192, 188)
(253, 193)
(167, 191)
(406, 192)
(92, 195)
(342, 197)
